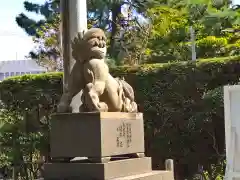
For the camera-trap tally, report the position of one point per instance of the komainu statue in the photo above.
(90, 75)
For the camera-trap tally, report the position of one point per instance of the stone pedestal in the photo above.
(96, 134)
(113, 144)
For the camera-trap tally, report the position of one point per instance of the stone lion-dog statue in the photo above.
(90, 74)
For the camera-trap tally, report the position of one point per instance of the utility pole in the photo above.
(193, 43)
(73, 20)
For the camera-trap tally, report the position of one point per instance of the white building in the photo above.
(19, 67)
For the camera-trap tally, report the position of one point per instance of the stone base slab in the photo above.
(154, 175)
(98, 171)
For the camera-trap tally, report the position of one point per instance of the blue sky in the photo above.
(14, 42)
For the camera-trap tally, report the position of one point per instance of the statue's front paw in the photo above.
(134, 108)
(129, 106)
(103, 107)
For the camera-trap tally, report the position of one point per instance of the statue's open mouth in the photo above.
(99, 43)
(99, 50)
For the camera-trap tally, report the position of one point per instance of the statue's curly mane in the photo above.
(83, 42)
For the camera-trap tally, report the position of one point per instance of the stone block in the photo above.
(154, 175)
(96, 134)
(97, 171)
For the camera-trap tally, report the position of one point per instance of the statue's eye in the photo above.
(101, 38)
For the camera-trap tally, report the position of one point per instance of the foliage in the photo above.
(113, 16)
(133, 44)
(139, 30)
(211, 46)
(47, 51)
(48, 10)
(216, 171)
(170, 40)
(182, 105)
(168, 30)
(24, 122)
(45, 32)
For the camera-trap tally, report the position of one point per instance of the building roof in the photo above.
(20, 66)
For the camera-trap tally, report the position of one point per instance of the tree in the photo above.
(48, 10)
(111, 16)
(165, 34)
(168, 31)
(106, 14)
(208, 18)
(48, 51)
(45, 33)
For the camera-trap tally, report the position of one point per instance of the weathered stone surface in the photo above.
(154, 175)
(98, 171)
(96, 134)
(90, 74)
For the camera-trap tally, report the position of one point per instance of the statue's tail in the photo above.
(127, 90)
(129, 104)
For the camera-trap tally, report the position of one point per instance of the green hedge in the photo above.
(182, 105)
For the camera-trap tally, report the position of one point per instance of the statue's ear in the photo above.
(78, 47)
(77, 40)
